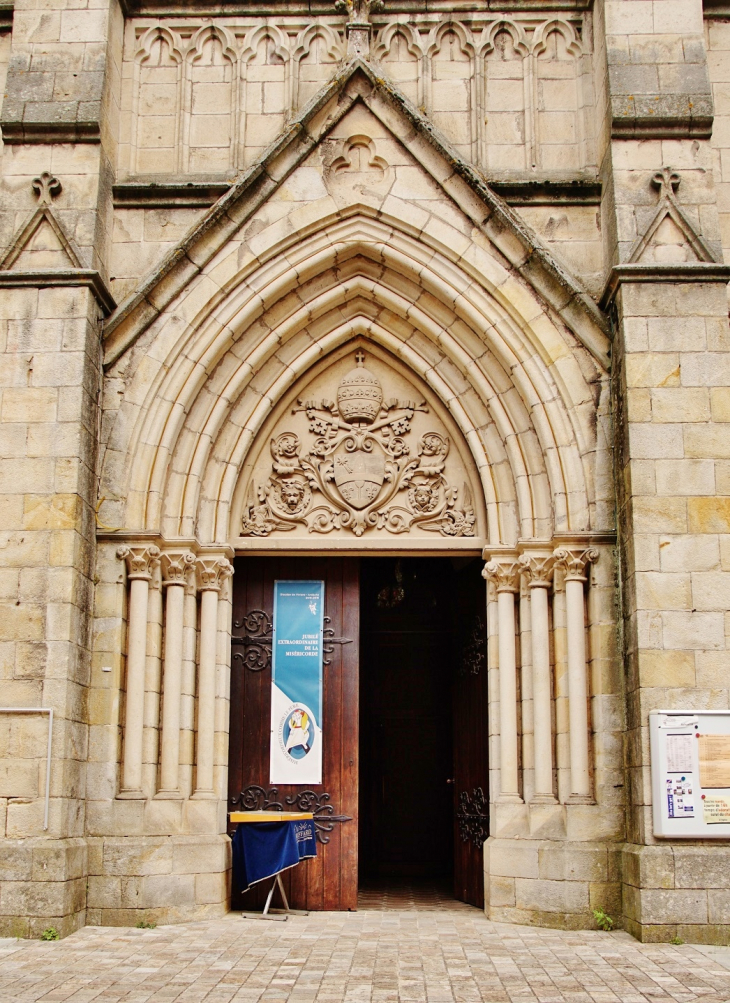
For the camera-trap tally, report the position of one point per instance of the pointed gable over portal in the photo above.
(359, 223)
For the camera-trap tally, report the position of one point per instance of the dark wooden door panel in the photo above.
(470, 704)
(330, 881)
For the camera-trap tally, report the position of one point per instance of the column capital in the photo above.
(573, 561)
(212, 571)
(503, 571)
(140, 559)
(176, 566)
(538, 569)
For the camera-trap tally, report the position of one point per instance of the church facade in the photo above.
(426, 302)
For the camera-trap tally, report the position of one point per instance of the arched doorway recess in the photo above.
(389, 249)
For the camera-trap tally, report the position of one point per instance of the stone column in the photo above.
(574, 563)
(140, 561)
(504, 572)
(528, 733)
(176, 568)
(538, 569)
(211, 573)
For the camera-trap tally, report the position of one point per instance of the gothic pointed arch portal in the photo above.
(242, 425)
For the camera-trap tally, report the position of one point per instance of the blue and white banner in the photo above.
(296, 683)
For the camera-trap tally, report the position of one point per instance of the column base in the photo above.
(509, 799)
(190, 879)
(168, 796)
(204, 796)
(543, 799)
(581, 799)
(131, 796)
(551, 882)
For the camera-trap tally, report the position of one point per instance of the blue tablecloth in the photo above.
(262, 849)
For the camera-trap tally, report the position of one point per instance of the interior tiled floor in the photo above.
(423, 896)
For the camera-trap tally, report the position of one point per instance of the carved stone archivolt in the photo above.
(357, 460)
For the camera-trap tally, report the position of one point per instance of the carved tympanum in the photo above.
(359, 467)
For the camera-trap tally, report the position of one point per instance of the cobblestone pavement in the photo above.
(433, 955)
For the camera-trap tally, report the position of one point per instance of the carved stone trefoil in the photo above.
(360, 469)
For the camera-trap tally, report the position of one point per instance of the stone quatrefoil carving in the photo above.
(359, 471)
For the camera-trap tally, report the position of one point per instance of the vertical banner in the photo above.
(296, 683)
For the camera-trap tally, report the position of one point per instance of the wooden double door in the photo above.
(404, 723)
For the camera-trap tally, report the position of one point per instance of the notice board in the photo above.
(690, 773)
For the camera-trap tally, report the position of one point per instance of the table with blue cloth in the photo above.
(264, 845)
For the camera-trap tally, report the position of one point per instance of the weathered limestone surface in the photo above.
(259, 193)
(51, 381)
(669, 366)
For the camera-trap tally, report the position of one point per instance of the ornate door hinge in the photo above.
(257, 638)
(473, 817)
(255, 798)
(329, 639)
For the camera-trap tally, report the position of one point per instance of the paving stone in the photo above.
(400, 946)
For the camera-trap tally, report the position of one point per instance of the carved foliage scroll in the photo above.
(355, 463)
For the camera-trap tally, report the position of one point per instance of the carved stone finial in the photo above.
(46, 188)
(140, 560)
(666, 181)
(359, 11)
(359, 27)
(574, 560)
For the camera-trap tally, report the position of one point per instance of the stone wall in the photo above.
(670, 374)
(717, 34)
(51, 381)
(256, 203)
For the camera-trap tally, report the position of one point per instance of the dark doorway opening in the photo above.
(423, 735)
(417, 663)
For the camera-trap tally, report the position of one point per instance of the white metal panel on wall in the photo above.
(690, 773)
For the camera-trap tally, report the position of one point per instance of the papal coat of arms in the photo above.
(359, 471)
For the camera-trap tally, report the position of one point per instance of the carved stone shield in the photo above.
(359, 475)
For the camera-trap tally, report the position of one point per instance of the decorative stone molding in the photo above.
(358, 167)
(140, 560)
(670, 237)
(537, 570)
(56, 262)
(46, 187)
(685, 271)
(575, 561)
(355, 466)
(176, 566)
(211, 573)
(172, 194)
(181, 54)
(504, 574)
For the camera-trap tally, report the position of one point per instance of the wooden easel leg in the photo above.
(269, 910)
(269, 897)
